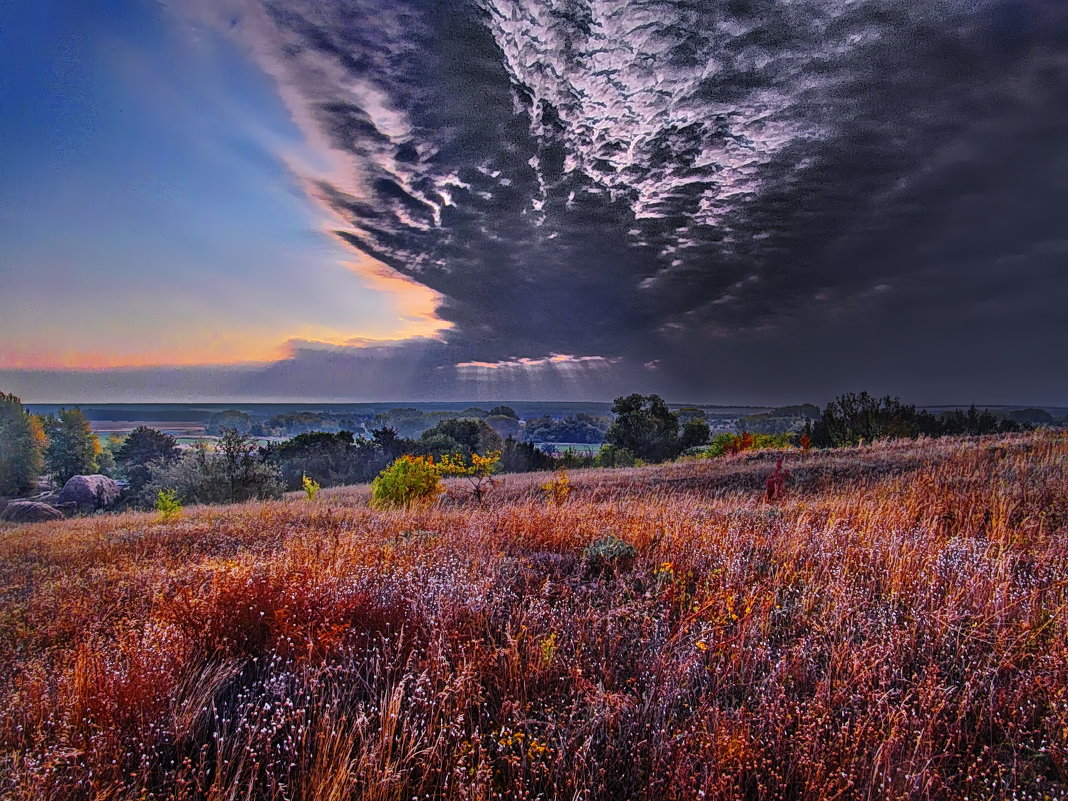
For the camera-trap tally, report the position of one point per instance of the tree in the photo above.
(465, 437)
(644, 426)
(696, 432)
(523, 457)
(330, 459)
(1031, 416)
(247, 476)
(232, 473)
(72, 446)
(688, 413)
(230, 418)
(22, 444)
(503, 411)
(505, 425)
(143, 449)
(854, 418)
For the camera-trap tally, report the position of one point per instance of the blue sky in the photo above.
(145, 212)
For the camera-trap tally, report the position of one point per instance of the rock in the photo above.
(89, 492)
(29, 512)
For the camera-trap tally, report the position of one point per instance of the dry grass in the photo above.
(895, 628)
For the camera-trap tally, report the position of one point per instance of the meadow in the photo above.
(893, 628)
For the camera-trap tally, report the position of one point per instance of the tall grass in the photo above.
(894, 628)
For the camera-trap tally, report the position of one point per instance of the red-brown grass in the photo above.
(892, 628)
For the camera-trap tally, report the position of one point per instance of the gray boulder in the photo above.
(89, 492)
(29, 512)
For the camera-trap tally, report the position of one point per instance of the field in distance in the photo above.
(893, 628)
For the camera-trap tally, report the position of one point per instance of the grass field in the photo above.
(893, 629)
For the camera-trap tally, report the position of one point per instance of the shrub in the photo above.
(168, 505)
(478, 470)
(558, 489)
(409, 480)
(614, 456)
(311, 487)
(730, 444)
(608, 553)
(232, 474)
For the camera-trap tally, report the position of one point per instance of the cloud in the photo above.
(691, 184)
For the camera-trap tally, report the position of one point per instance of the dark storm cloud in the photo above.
(705, 183)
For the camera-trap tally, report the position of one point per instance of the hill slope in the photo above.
(894, 628)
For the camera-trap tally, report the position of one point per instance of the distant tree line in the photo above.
(643, 429)
(858, 418)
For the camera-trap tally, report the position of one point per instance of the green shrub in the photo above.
(311, 487)
(168, 505)
(608, 553)
(613, 456)
(724, 444)
(409, 480)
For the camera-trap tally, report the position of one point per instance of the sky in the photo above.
(762, 201)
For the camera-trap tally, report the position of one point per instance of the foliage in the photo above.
(688, 413)
(233, 419)
(168, 505)
(523, 457)
(477, 470)
(232, 473)
(578, 428)
(608, 553)
(22, 445)
(410, 480)
(644, 426)
(334, 458)
(614, 456)
(505, 425)
(695, 432)
(143, 448)
(311, 487)
(858, 418)
(463, 436)
(557, 489)
(1031, 416)
(727, 444)
(72, 446)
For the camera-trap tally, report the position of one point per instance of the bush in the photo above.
(168, 505)
(311, 487)
(608, 553)
(233, 473)
(729, 444)
(558, 489)
(614, 456)
(409, 480)
(478, 470)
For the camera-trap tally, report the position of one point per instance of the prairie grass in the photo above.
(894, 628)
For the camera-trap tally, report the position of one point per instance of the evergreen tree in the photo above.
(22, 443)
(72, 446)
(143, 448)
